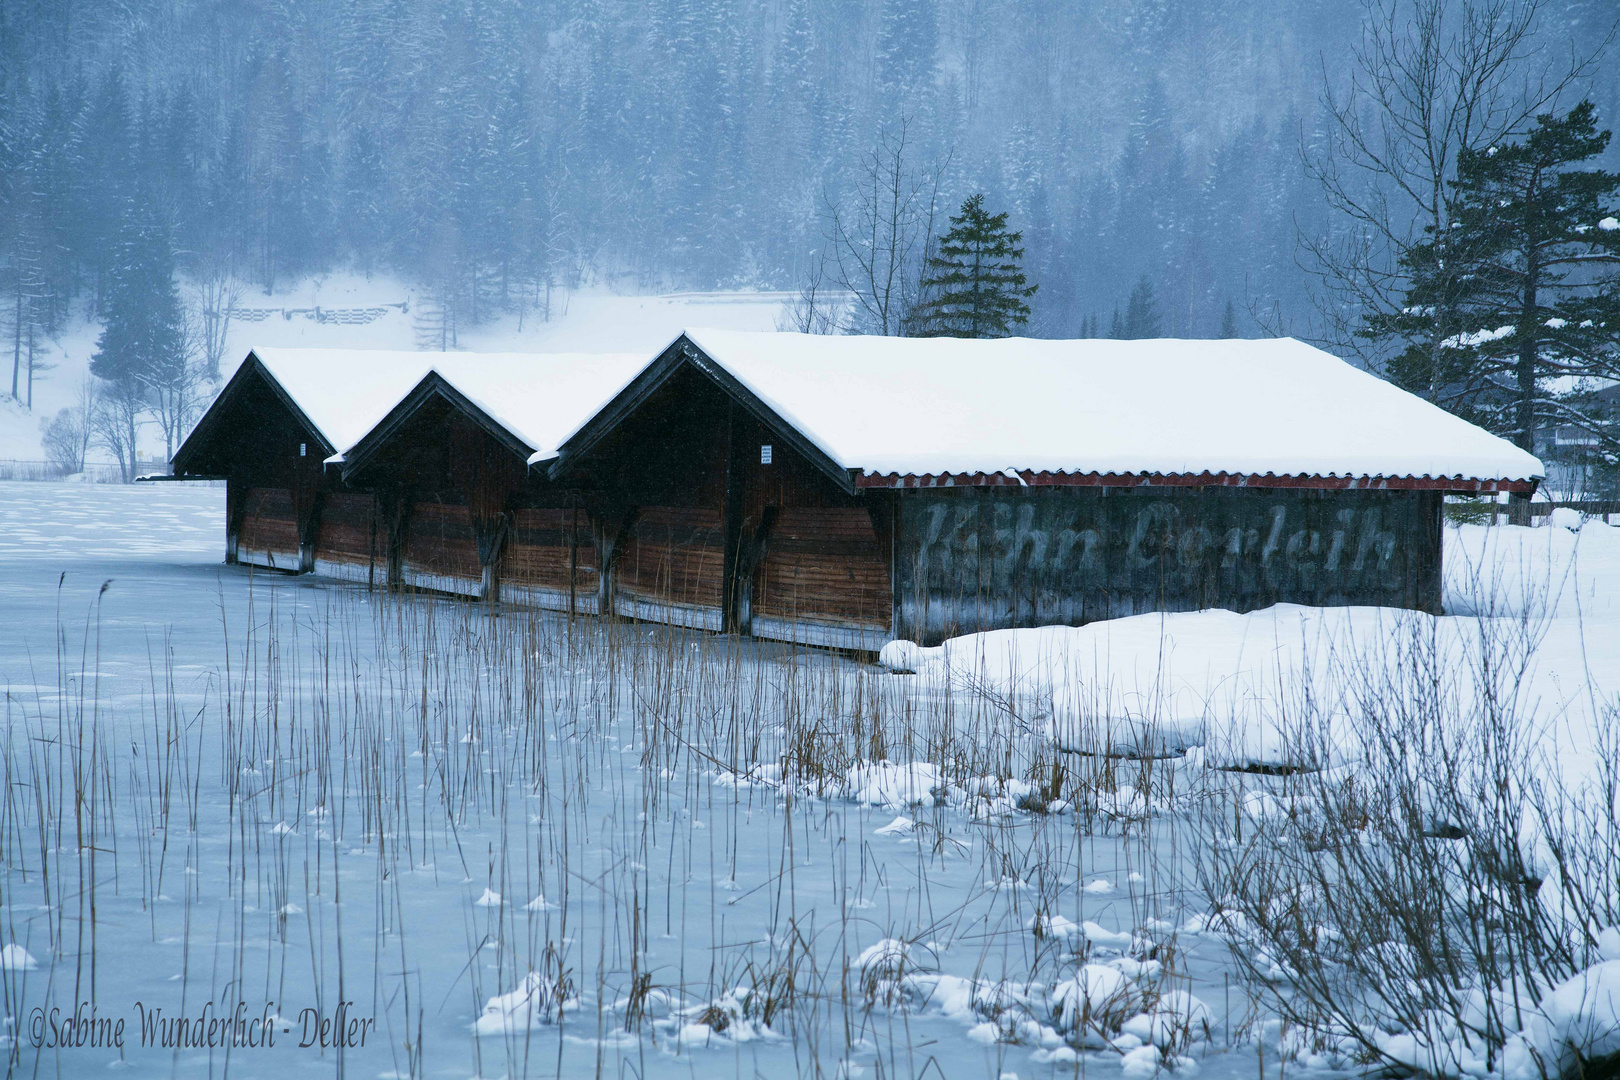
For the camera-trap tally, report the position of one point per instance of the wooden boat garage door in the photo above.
(549, 561)
(823, 580)
(671, 567)
(350, 541)
(441, 550)
(269, 535)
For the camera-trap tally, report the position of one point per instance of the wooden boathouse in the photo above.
(448, 466)
(268, 435)
(843, 491)
(847, 490)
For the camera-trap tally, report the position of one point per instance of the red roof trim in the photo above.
(1030, 478)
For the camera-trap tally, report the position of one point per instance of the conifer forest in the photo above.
(485, 146)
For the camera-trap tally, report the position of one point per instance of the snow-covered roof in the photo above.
(344, 392)
(1272, 407)
(538, 397)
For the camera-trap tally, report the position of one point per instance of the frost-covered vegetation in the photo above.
(530, 846)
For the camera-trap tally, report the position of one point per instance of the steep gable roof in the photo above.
(898, 411)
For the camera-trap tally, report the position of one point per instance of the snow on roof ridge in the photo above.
(346, 392)
(1170, 406)
(1013, 473)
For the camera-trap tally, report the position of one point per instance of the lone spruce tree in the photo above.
(143, 339)
(1142, 313)
(974, 282)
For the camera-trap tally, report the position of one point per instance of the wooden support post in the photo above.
(884, 510)
(1519, 509)
(371, 550)
(396, 508)
(573, 561)
(491, 541)
(750, 553)
(235, 508)
(309, 532)
(732, 528)
(608, 530)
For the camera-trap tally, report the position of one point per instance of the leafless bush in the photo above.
(66, 436)
(818, 308)
(1405, 889)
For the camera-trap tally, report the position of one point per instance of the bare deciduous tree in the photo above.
(216, 294)
(177, 389)
(65, 437)
(1429, 79)
(880, 244)
(116, 419)
(817, 309)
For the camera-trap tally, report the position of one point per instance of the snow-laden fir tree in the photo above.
(974, 281)
(142, 351)
(1142, 312)
(907, 49)
(1509, 313)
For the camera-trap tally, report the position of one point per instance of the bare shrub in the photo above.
(1393, 907)
(66, 436)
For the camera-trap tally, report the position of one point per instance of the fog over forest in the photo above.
(488, 148)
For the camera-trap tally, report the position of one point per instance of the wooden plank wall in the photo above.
(719, 538)
(549, 560)
(670, 567)
(987, 558)
(440, 550)
(811, 564)
(351, 541)
(269, 534)
(823, 579)
(260, 445)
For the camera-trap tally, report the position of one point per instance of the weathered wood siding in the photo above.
(269, 533)
(549, 561)
(657, 493)
(823, 579)
(350, 539)
(719, 538)
(253, 439)
(670, 567)
(440, 550)
(987, 558)
(446, 488)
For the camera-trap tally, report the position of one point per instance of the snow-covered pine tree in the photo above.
(1523, 289)
(975, 280)
(1142, 312)
(907, 49)
(142, 349)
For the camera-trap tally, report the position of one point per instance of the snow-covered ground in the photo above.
(528, 848)
(587, 321)
(1233, 684)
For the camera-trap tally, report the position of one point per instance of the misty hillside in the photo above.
(489, 148)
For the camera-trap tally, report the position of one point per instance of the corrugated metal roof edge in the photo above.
(1043, 478)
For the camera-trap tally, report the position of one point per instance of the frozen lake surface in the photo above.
(512, 846)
